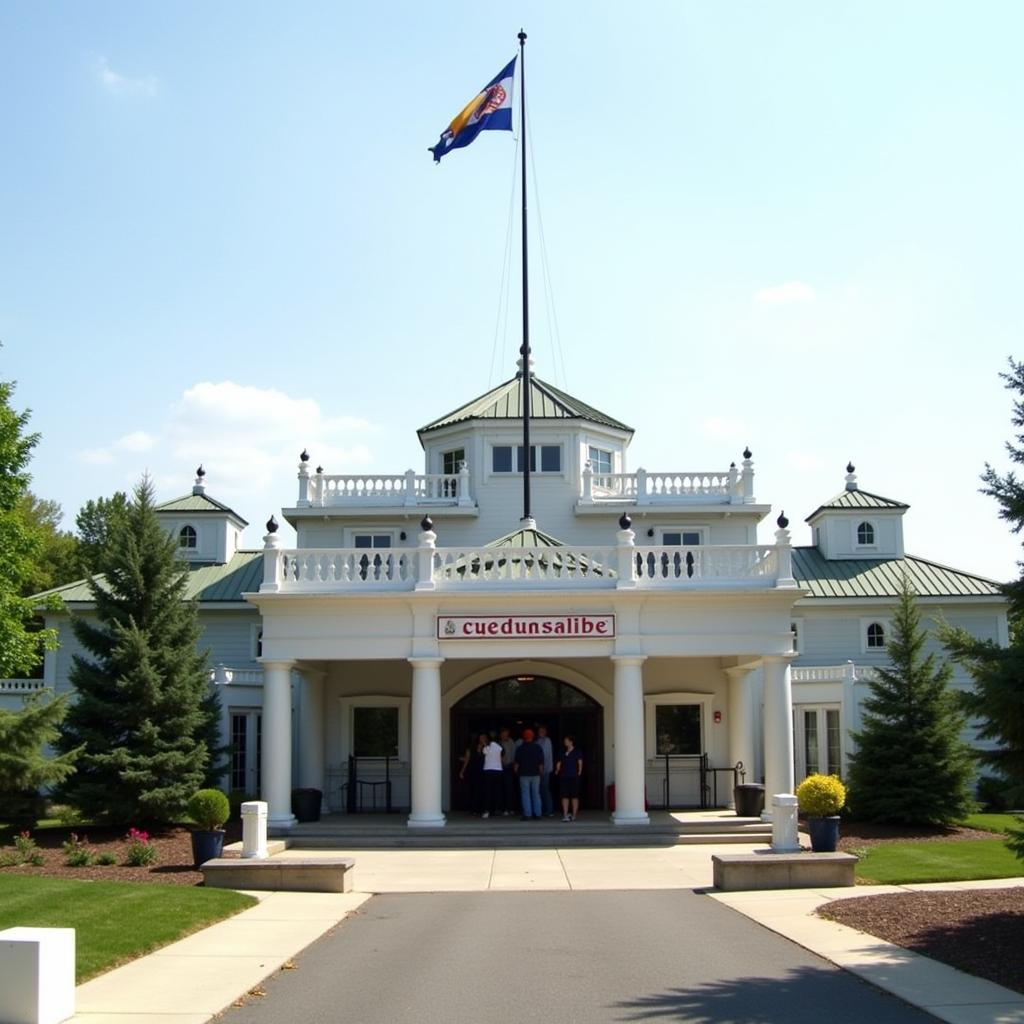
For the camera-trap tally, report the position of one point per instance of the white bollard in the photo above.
(254, 829)
(784, 837)
(37, 975)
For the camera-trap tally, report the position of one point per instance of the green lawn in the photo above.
(992, 822)
(901, 863)
(115, 921)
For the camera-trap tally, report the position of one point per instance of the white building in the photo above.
(637, 610)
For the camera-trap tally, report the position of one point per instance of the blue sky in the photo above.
(790, 226)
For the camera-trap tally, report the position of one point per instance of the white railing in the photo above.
(849, 672)
(732, 486)
(607, 567)
(222, 676)
(409, 489)
(22, 685)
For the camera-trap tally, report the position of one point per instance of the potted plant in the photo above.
(209, 809)
(820, 798)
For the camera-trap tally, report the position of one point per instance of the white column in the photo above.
(629, 741)
(277, 743)
(311, 730)
(741, 720)
(778, 729)
(426, 743)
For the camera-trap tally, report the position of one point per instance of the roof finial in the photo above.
(304, 457)
(199, 486)
(851, 477)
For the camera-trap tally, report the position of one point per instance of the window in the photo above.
(246, 751)
(372, 540)
(677, 729)
(681, 538)
(450, 460)
(673, 566)
(375, 731)
(865, 534)
(600, 461)
(187, 538)
(257, 641)
(818, 745)
(550, 458)
(876, 636)
(794, 628)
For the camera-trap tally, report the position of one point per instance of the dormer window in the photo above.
(865, 535)
(451, 461)
(187, 538)
(875, 637)
(601, 461)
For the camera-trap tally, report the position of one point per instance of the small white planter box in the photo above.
(37, 975)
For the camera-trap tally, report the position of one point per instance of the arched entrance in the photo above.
(520, 701)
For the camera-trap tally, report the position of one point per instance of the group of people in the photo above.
(506, 775)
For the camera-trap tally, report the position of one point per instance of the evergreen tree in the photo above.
(144, 711)
(24, 767)
(997, 700)
(21, 641)
(911, 766)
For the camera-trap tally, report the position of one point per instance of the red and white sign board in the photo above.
(525, 627)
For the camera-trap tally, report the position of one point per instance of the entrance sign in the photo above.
(525, 627)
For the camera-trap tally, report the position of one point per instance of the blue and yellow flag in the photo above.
(489, 110)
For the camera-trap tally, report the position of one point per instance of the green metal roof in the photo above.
(505, 402)
(851, 501)
(528, 537)
(200, 503)
(883, 577)
(206, 583)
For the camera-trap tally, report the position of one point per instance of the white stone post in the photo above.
(426, 744)
(734, 485)
(465, 497)
(277, 743)
(747, 477)
(303, 501)
(630, 798)
(784, 554)
(642, 497)
(425, 556)
(587, 498)
(37, 975)
(272, 574)
(410, 487)
(741, 720)
(778, 728)
(784, 835)
(311, 730)
(254, 830)
(626, 540)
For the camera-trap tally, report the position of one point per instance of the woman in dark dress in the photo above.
(569, 769)
(472, 771)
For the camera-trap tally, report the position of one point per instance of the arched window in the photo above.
(876, 636)
(865, 534)
(187, 537)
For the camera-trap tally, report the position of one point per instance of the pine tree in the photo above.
(24, 767)
(997, 700)
(144, 712)
(911, 766)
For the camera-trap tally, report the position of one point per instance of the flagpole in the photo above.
(524, 349)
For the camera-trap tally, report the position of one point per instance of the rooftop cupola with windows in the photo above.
(858, 524)
(206, 530)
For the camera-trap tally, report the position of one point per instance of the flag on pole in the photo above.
(489, 110)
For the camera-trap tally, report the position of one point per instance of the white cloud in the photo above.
(785, 294)
(723, 427)
(137, 441)
(118, 84)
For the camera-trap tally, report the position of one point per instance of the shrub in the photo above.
(76, 853)
(209, 809)
(25, 845)
(106, 859)
(141, 851)
(25, 852)
(820, 796)
(993, 793)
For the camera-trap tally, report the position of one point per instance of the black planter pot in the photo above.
(206, 846)
(824, 833)
(306, 804)
(749, 800)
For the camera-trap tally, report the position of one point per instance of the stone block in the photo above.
(734, 872)
(37, 975)
(322, 874)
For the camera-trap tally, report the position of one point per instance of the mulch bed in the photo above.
(173, 864)
(858, 835)
(980, 931)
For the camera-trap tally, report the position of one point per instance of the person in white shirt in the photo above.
(544, 741)
(493, 776)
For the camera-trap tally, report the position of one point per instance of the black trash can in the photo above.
(306, 804)
(749, 799)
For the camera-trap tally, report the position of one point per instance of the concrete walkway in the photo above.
(191, 980)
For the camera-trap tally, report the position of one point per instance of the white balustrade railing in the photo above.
(22, 685)
(321, 490)
(602, 567)
(832, 673)
(222, 675)
(731, 486)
